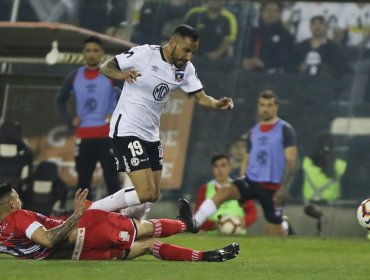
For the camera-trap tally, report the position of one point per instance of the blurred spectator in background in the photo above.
(237, 151)
(5, 11)
(55, 11)
(93, 15)
(99, 15)
(354, 32)
(235, 7)
(158, 19)
(217, 27)
(221, 169)
(319, 54)
(25, 11)
(354, 25)
(322, 171)
(270, 44)
(96, 98)
(298, 16)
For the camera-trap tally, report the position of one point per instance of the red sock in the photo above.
(170, 252)
(166, 227)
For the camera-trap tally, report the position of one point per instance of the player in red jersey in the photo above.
(94, 234)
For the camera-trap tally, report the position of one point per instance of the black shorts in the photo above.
(254, 190)
(132, 154)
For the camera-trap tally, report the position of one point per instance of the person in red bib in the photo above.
(96, 98)
(268, 169)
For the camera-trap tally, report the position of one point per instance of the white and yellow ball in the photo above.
(229, 225)
(363, 214)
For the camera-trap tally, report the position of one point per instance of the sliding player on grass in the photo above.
(94, 234)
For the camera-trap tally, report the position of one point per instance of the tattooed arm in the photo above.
(111, 70)
(49, 238)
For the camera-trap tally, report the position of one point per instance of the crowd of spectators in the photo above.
(271, 37)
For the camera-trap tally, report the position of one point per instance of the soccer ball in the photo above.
(229, 225)
(363, 214)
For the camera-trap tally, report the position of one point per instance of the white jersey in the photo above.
(356, 20)
(302, 12)
(141, 103)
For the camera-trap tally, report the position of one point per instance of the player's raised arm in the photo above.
(111, 70)
(49, 238)
(224, 103)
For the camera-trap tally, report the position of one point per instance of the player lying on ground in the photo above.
(94, 234)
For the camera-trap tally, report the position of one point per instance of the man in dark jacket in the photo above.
(319, 54)
(270, 44)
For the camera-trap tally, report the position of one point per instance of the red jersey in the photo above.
(16, 230)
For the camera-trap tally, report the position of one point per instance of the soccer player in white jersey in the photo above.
(151, 73)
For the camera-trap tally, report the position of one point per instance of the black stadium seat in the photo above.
(43, 189)
(15, 156)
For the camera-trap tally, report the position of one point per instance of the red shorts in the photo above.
(103, 235)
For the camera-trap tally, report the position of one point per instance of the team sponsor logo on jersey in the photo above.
(124, 236)
(79, 244)
(135, 161)
(160, 91)
(263, 140)
(155, 68)
(91, 87)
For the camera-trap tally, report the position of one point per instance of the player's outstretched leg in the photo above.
(210, 205)
(186, 215)
(171, 252)
(159, 228)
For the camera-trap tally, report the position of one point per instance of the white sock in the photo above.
(137, 211)
(122, 199)
(206, 209)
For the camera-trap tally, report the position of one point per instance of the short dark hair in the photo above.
(217, 157)
(238, 139)
(93, 39)
(5, 189)
(269, 94)
(319, 18)
(280, 6)
(184, 30)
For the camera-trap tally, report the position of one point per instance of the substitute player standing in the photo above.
(269, 167)
(96, 98)
(151, 73)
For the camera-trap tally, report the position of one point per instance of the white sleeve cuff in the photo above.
(31, 228)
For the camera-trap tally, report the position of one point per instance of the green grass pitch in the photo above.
(260, 258)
